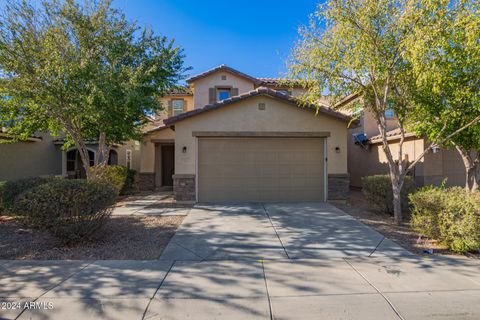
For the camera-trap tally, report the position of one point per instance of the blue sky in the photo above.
(254, 37)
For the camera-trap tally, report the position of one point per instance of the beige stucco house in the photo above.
(226, 136)
(233, 137)
(366, 156)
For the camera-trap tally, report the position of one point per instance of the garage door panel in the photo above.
(260, 169)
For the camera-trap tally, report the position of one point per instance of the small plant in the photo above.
(117, 176)
(129, 182)
(71, 210)
(451, 216)
(10, 190)
(377, 190)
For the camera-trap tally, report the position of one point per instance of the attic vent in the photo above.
(224, 77)
(261, 106)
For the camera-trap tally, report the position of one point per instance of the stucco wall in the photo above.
(135, 146)
(245, 116)
(366, 162)
(446, 163)
(30, 159)
(370, 124)
(147, 164)
(163, 114)
(201, 86)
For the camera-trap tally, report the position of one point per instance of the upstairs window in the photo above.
(389, 114)
(177, 106)
(223, 93)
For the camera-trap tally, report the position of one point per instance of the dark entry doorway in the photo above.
(75, 169)
(168, 164)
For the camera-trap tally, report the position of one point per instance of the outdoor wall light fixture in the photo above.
(337, 149)
(184, 149)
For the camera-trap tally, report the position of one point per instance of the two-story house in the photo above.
(366, 156)
(229, 136)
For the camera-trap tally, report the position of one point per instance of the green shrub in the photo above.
(72, 210)
(129, 182)
(10, 190)
(116, 176)
(378, 191)
(451, 216)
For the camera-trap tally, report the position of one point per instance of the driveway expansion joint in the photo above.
(56, 285)
(376, 289)
(378, 245)
(266, 289)
(158, 288)
(275, 229)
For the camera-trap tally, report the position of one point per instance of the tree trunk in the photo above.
(101, 160)
(471, 169)
(397, 184)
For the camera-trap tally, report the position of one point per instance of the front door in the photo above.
(168, 164)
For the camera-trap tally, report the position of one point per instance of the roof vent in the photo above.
(261, 106)
(224, 77)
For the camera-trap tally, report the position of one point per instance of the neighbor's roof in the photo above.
(279, 82)
(5, 136)
(257, 92)
(180, 90)
(223, 68)
(257, 81)
(391, 135)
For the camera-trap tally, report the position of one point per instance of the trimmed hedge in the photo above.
(10, 190)
(377, 190)
(119, 176)
(451, 216)
(71, 210)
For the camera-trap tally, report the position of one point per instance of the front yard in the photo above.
(126, 235)
(403, 234)
(124, 238)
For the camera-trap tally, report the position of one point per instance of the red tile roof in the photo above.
(224, 68)
(391, 135)
(259, 91)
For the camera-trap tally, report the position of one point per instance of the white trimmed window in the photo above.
(177, 106)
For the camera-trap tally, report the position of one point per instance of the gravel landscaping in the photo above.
(403, 234)
(124, 238)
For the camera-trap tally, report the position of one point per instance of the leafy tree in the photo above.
(83, 71)
(447, 63)
(362, 47)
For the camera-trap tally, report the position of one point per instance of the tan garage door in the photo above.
(260, 169)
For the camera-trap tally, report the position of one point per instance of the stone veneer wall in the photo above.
(338, 186)
(146, 181)
(184, 187)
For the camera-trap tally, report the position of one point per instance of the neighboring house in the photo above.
(227, 136)
(366, 156)
(233, 137)
(42, 155)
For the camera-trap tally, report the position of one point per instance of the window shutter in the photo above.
(185, 105)
(234, 92)
(169, 108)
(212, 95)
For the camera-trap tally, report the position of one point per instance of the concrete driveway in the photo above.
(250, 261)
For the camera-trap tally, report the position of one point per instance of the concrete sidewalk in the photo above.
(275, 261)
